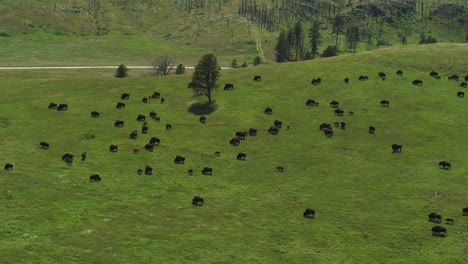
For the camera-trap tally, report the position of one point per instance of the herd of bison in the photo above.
(241, 135)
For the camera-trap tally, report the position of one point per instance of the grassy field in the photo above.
(371, 205)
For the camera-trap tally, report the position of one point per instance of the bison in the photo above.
(8, 167)
(44, 145)
(418, 82)
(125, 96)
(94, 178)
(228, 86)
(179, 160)
(445, 165)
(95, 114)
(198, 201)
(62, 107)
(396, 148)
(309, 213)
(207, 171)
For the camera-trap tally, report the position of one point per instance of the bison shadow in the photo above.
(203, 108)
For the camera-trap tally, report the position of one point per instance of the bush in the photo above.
(121, 71)
(180, 69)
(234, 64)
(257, 61)
(244, 65)
(330, 51)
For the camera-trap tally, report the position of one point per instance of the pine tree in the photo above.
(121, 71)
(205, 75)
(315, 37)
(282, 48)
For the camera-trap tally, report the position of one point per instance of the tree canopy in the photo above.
(205, 75)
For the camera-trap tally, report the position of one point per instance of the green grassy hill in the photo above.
(76, 32)
(372, 205)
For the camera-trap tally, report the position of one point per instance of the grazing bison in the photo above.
(316, 81)
(234, 142)
(351, 113)
(385, 103)
(155, 141)
(202, 119)
(371, 130)
(95, 114)
(445, 165)
(324, 126)
(44, 145)
(62, 107)
(94, 178)
(449, 221)
(434, 74)
(120, 105)
(339, 112)
(273, 130)
(144, 100)
(396, 148)
(309, 213)
(144, 129)
(454, 77)
(278, 123)
(153, 114)
(68, 158)
(280, 169)
(418, 82)
(363, 78)
(460, 94)
(163, 100)
(435, 217)
(257, 78)
(465, 211)
(382, 76)
(149, 147)
(198, 201)
(139, 171)
(343, 125)
(217, 153)
(310, 102)
(399, 72)
(329, 132)
(179, 160)
(8, 166)
(148, 170)
(133, 134)
(118, 123)
(83, 156)
(268, 111)
(241, 135)
(241, 156)
(141, 118)
(463, 85)
(228, 86)
(113, 148)
(52, 106)
(190, 172)
(125, 96)
(156, 95)
(136, 151)
(168, 126)
(207, 171)
(346, 80)
(252, 131)
(334, 104)
(439, 231)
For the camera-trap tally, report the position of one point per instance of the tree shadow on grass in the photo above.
(203, 108)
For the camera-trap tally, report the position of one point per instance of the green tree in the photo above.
(234, 64)
(205, 75)
(244, 65)
(121, 71)
(315, 37)
(298, 41)
(180, 69)
(338, 27)
(257, 60)
(352, 38)
(282, 48)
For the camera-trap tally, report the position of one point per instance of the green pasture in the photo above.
(371, 205)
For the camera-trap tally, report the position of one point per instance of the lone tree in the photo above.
(205, 76)
(180, 69)
(121, 71)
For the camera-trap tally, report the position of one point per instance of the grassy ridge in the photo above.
(371, 205)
